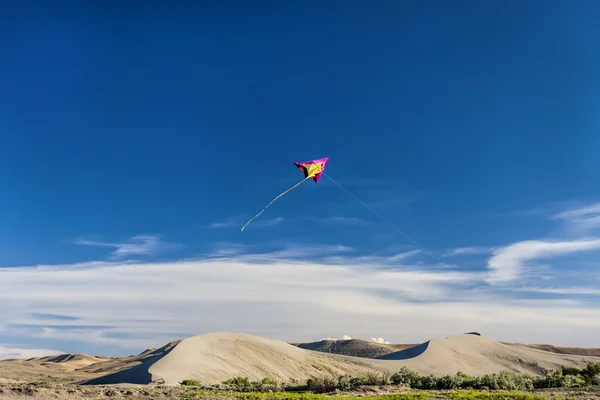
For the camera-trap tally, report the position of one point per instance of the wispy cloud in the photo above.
(268, 222)
(224, 293)
(561, 290)
(374, 260)
(20, 353)
(581, 219)
(466, 251)
(228, 249)
(231, 223)
(296, 252)
(224, 224)
(136, 246)
(508, 263)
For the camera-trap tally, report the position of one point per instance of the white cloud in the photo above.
(561, 290)
(508, 263)
(221, 225)
(372, 260)
(139, 305)
(467, 250)
(379, 340)
(345, 337)
(15, 352)
(295, 252)
(581, 219)
(136, 246)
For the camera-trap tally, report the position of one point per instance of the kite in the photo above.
(313, 169)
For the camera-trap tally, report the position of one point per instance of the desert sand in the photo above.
(213, 358)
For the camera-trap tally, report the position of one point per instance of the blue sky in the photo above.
(135, 143)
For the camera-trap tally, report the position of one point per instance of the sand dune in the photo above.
(581, 351)
(478, 355)
(73, 367)
(112, 365)
(213, 358)
(70, 362)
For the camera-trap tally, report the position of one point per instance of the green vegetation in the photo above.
(566, 377)
(421, 395)
(190, 382)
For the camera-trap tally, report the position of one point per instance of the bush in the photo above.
(345, 382)
(570, 371)
(405, 377)
(238, 381)
(268, 381)
(573, 381)
(190, 382)
(321, 385)
(374, 379)
(589, 372)
(596, 380)
(553, 379)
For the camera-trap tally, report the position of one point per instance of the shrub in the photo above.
(268, 381)
(321, 385)
(596, 380)
(467, 381)
(573, 381)
(427, 382)
(190, 382)
(238, 381)
(448, 382)
(374, 379)
(357, 382)
(570, 371)
(345, 382)
(590, 371)
(405, 377)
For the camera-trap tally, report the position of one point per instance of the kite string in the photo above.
(385, 220)
(272, 201)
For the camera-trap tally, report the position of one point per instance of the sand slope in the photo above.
(582, 351)
(478, 355)
(215, 357)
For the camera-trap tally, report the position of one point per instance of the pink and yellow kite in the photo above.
(311, 170)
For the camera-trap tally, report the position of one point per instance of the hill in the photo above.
(213, 358)
(72, 367)
(353, 347)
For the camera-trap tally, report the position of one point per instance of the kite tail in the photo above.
(272, 201)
